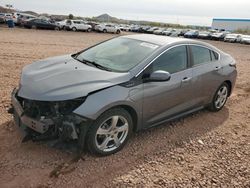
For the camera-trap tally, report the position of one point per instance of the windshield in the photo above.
(119, 54)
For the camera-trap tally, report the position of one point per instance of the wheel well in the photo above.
(133, 114)
(229, 83)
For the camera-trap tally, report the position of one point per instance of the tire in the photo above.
(57, 28)
(104, 137)
(104, 30)
(118, 32)
(88, 30)
(74, 29)
(220, 98)
(33, 27)
(64, 28)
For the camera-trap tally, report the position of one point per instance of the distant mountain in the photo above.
(6, 10)
(108, 18)
(30, 12)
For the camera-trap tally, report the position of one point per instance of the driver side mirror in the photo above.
(158, 76)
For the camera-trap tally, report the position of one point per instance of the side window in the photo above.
(173, 60)
(200, 55)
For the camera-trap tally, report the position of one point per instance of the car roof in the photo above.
(155, 39)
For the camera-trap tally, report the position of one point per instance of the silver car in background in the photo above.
(232, 38)
(102, 94)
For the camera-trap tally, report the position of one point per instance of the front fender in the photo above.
(100, 101)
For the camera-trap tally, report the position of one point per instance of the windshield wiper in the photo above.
(92, 63)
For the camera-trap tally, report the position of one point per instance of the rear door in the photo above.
(83, 26)
(207, 71)
(76, 25)
(113, 29)
(79, 25)
(165, 99)
(48, 25)
(108, 27)
(38, 23)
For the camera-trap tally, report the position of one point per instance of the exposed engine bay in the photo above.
(47, 120)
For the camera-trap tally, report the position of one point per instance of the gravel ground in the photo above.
(202, 150)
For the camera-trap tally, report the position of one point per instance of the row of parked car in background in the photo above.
(33, 22)
(225, 36)
(211, 34)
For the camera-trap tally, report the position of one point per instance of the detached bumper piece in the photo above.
(39, 121)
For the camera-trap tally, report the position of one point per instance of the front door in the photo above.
(165, 99)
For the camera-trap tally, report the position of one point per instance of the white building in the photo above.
(231, 24)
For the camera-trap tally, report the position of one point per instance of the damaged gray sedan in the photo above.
(101, 95)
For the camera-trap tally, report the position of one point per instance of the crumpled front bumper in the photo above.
(23, 121)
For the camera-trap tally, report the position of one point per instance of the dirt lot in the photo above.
(203, 150)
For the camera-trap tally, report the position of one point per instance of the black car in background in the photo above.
(37, 23)
(2, 20)
(191, 34)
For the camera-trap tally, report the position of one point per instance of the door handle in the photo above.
(186, 79)
(217, 68)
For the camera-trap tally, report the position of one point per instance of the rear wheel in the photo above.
(57, 28)
(118, 32)
(220, 98)
(110, 132)
(104, 31)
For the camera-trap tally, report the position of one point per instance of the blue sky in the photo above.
(196, 12)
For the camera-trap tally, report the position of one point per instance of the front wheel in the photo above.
(220, 98)
(118, 32)
(110, 132)
(89, 30)
(74, 29)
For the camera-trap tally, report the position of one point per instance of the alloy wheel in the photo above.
(111, 133)
(221, 97)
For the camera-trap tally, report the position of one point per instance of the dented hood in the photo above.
(63, 78)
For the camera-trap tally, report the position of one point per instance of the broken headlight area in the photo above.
(51, 119)
(48, 109)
